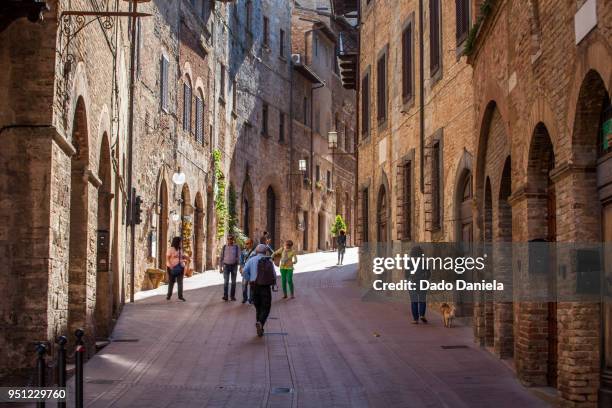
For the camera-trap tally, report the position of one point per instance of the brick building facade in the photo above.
(511, 147)
(211, 78)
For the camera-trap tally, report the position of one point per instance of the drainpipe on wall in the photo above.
(421, 98)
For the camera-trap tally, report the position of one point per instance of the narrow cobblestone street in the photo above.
(326, 348)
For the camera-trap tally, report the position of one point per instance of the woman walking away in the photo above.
(341, 246)
(288, 259)
(418, 297)
(175, 264)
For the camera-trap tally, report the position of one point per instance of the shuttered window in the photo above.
(186, 107)
(164, 83)
(407, 201)
(365, 106)
(462, 19)
(266, 31)
(434, 36)
(199, 120)
(436, 185)
(407, 63)
(381, 97)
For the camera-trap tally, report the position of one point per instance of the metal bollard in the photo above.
(79, 361)
(41, 368)
(61, 366)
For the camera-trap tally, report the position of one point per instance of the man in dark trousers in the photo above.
(228, 266)
(259, 272)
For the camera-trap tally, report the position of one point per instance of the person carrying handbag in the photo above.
(175, 264)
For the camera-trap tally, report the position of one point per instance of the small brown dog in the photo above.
(448, 314)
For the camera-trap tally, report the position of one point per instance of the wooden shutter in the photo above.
(434, 36)
(199, 120)
(435, 186)
(462, 19)
(407, 63)
(365, 106)
(381, 99)
(186, 107)
(164, 83)
(407, 201)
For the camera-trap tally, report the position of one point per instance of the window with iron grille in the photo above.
(199, 120)
(365, 209)
(436, 185)
(266, 31)
(328, 180)
(264, 119)
(281, 127)
(381, 97)
(407, 63)
(434, 37)
(462, 14)
(318, 173)
(164, 83)
(365, 106)
(222, 83)
(407, 201)
(281, 46)
(186, 107)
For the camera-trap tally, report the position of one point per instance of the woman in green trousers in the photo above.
(288, 259)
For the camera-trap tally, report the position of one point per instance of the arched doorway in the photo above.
(271, 219)
(592, 145)
(465, 231)
(198, 232)
(209, 228)
(322, 231)
(247, 208)
(347, 216)
(542, 207)
(104, 295)
(186, 223)
(77, 269)
(382, 215)
(502, 261)
(489, 331)
(162, 226)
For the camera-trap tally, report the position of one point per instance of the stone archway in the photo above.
(79, 222)
(198, 234)
(382, 215)
(186, 222)
(247, 208)
(592, 204)
(104, 276)
(272, 216)
(162, 226)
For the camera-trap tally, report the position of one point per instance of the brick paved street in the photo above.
(322, 347)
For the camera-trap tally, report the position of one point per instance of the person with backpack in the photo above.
(341, 243)
(228, 266)
(175, 265)
(259, 272)
(247, 252)
(288, 258)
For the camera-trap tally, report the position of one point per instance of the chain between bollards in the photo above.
(79, 360)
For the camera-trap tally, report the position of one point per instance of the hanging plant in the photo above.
(485, 9)
(220, 204)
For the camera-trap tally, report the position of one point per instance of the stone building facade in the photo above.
(321, 104)
(63, 117)
(513, 147)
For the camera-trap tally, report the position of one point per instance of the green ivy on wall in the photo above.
(485, 9)
(220, 204)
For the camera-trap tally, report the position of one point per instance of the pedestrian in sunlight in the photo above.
(418, 297)
(259, 272)
(288, 258)
(175, 264)
(341, 243)
(228, 266)
(247, 252)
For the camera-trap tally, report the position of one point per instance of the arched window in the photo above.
(187, 105)
(199, 117)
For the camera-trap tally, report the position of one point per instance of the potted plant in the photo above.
(319, 185)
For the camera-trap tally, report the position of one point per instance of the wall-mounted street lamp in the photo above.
(302, 165)
(179, 177)
(332, 140)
